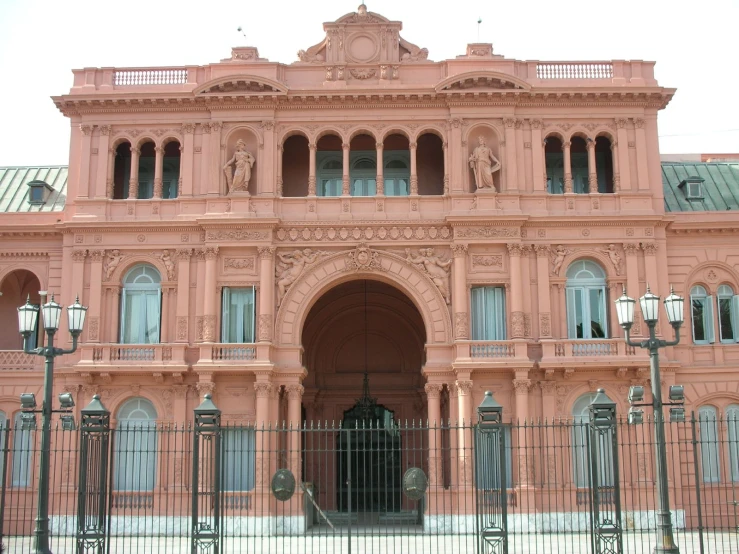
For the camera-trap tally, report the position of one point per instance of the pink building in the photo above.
(269, 232)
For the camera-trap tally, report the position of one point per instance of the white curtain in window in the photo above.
(141, 313)
(239, 458)
(586, 301)
(237, 321)
(135, 447)
(22, 454)
(732, 420)
(581, 446)
(710, 464)
(488, 313)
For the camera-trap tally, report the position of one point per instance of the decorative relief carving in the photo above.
(328, 234)
(199, 328)
(241, 234)
(614, 256)
(545, 327)
(527, 325)
(181, 327)
(239, 263)
(558, 257)
(94, 328)
(650, 248)
(433, 390)
(515, 249)
(362, 74)
(168, 264)
(79, 255)
(266, 252)
(459, 250)
(522, 386)
(486, 232)
(518, 328)
(209, 328)
(363, 258)
(291, 265)
(265, 327)
(461, 325)
(464, 388)
(436, 269)
(488, 261)
(112, 260)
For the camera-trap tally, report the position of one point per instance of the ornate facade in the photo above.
(269, 232)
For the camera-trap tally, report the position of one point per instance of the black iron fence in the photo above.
(560, 486)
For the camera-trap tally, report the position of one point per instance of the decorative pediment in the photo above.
(481, 80)
(362, 37)
(242, 83)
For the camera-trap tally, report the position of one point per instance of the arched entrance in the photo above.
(364, 349)
(16, 287)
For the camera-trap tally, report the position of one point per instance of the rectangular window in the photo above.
(396, 187)
(555, 173)
(488, 313)
(237, 317)
(586, 313)
(330, 187)
(728, 312)
(135, 456)
(22, 444)
(239, 458)
(702, 315)
(732, 417)
(364, 187)
(709, 446)
(141, 315)
(579, 165)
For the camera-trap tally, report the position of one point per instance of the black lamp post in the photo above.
(650, 310)
(27, 319)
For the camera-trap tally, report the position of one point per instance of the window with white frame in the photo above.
(239, 458)
(488, 313)
(363, 173)
(581, 445)
(396, 173)
(141, 306)
(330, 169)
(586, 301)
(709, 445)
(22, 445)
(237, 315)
(135, 446)
(732, 424)
(701, 305)
(728, 313)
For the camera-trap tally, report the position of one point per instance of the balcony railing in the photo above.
(578, 70)
(489, 349)
(595, 348)
(13, 360)
(125, 354)
(161, 76)
(227, 352)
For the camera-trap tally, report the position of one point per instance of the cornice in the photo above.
(9, 254)
(118, 227)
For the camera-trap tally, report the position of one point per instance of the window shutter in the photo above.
(225, 313)
(498, 311)
(478, 313)
(708, 319)
(735, 317)
(571, 317)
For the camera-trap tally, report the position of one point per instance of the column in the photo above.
(280, 152)
(183, 294)
(520, 151)
(158, 163)
(592, 173)
(294, 403)
(380, 178)
(525, 462)
(166, 302)
(312, 169)
(453, 434)
(205, 154)
(568, 166)
(433, 399)
(543, 291)
(345, 190)
(517, 291)
(464, 437)
(650, 268)
(460, 303)
(215, 160)
(83, 184)
(209, 303)
(445, 147)
(188, 154)
(510, 154)
(199, 298)
(95, 301)
(642, 166)
(624, 171)
(526, 287)
(78, 274)
(265, 177)
(263, 437)
(414, 172)
(548, 409)
(455, 167)
(109, 184)
(266, 292)
(105, 168)
(615, 162)
(133, 183)
(537, 156)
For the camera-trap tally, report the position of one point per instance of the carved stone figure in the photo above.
(558, 257)
(614, 256)
(484, 164)
(436, 269)
(414, 53)
(112, 259)
(168, 264)
(290, 267)
(244, 161)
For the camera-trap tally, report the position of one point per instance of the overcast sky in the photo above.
(693, 43)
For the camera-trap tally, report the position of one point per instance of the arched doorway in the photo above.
(364, 349)
(15, 288)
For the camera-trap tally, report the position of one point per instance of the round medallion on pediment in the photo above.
(362, 47)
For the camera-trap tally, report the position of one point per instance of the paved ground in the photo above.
(714, 543)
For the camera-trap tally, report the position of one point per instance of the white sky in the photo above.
(694, 44)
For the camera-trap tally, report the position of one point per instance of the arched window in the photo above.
(579, 165)
(702, 315)
(586, 301)
(710, 464)
(581, 446)
(330, 169)
(732, 421)
(135, 446)
(364, 175)
(728, 314)
(22, 453)
(140, 306)
(171, 170)
(397, 174)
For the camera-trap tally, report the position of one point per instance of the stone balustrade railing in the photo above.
(145, 77)
(492, 350)
(574, 70)
(233, 352)
(14, 360)
(593, 348)
(122, 354)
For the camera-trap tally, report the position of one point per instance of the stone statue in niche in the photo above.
(290, 267)
(436, 268)
(238, 180)
(484, 164)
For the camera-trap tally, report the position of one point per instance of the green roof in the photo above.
(720, 187)
(14, 190)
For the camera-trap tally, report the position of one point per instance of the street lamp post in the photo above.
(27, 319)
(650, 310)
